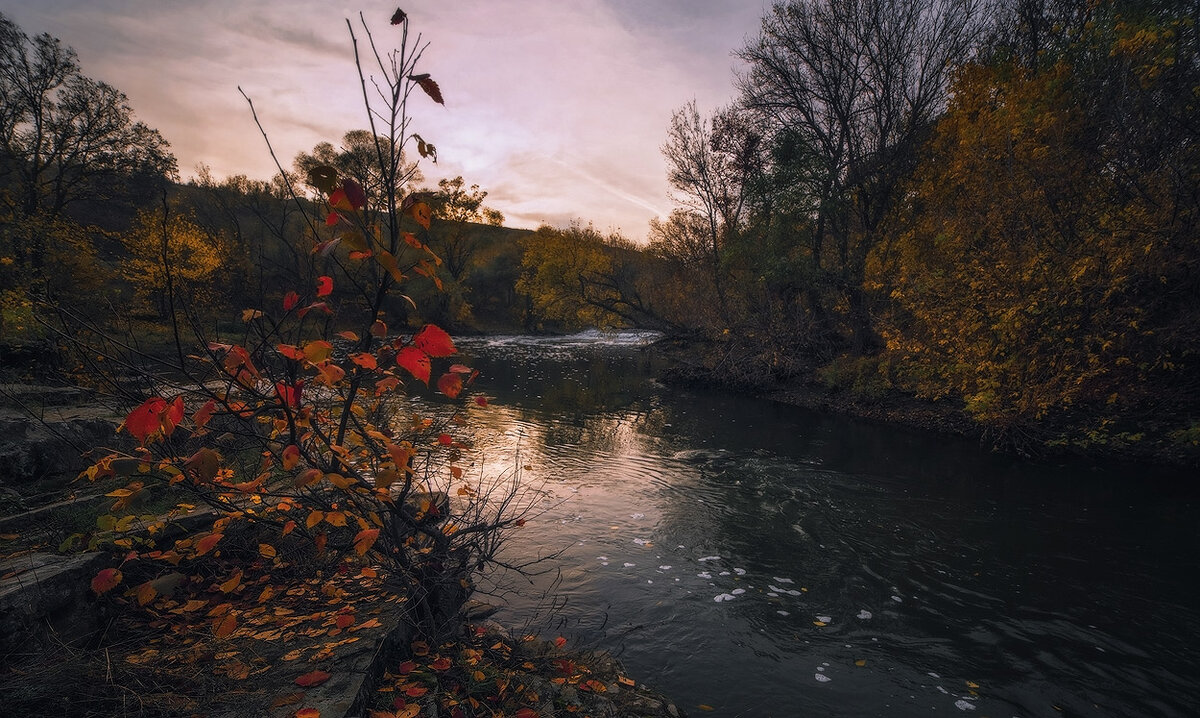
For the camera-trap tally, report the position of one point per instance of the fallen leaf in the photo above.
(312, 678)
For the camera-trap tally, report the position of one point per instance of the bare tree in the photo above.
(852, 86)
(710, 161)
(65, 137)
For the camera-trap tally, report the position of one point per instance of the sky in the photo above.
(557, 108)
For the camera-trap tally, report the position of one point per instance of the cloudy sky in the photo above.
(556, 107)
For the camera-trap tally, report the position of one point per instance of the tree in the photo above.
(710, 164)
(65, 137)
(172, 257)
(851, 88)
(456, 208)
(1049, 243)
(365, 157)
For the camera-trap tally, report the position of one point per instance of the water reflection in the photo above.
(705, 537)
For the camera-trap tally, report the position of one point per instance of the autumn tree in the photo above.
(1049, 245)
(171, 257)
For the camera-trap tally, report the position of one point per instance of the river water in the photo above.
(756, 559)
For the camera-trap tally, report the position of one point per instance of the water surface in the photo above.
(766, 560)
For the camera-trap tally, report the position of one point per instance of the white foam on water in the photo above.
(738, 591)
(964, 705)
(740, 571)
(723, 597)
(664, 568)
(864, 615)
(897, 599)
(783, 613)
(629, 565)
(825, 619)
(782, 580)
(704, 574)
(822, 678)
(709, 558)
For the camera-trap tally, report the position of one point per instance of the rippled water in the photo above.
(769, 561)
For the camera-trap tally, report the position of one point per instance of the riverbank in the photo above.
(705, 365)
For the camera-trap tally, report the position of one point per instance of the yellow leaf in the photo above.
(861, 662)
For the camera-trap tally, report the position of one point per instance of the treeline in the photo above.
(991, 204)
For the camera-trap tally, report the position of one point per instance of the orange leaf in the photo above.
(288, 528)
(308, 477)
(234, 581)
(266, 550)
(434, 341)
(224, 626)
(366, 360)
(450, 384)
(146, 593)
(386, 384)
(106, 581)
(307, 713)
(312, 678)
(335, 518)
(314, 518)
(415, 361)
(208, 543)
(365, 540)
(324, 286)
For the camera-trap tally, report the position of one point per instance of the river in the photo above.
(753, 559)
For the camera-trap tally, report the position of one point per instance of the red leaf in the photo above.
(324, 286)
(434, 341)
(560, 642)
(201, 417)
(290, 395)
(406, 667)
(429, 86)
(481, 400)
(291, 457)
(354, 193)
(415, 361)
(290, 300)
(445, 439)
(174, 415)
(332, 219)
(450, 384)
(441, 664)
(106, 581)
(398, 16)
(312, 678)
(315, 305)
(144, 421)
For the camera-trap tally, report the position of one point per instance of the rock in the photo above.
(33, 449)
(47, 597)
